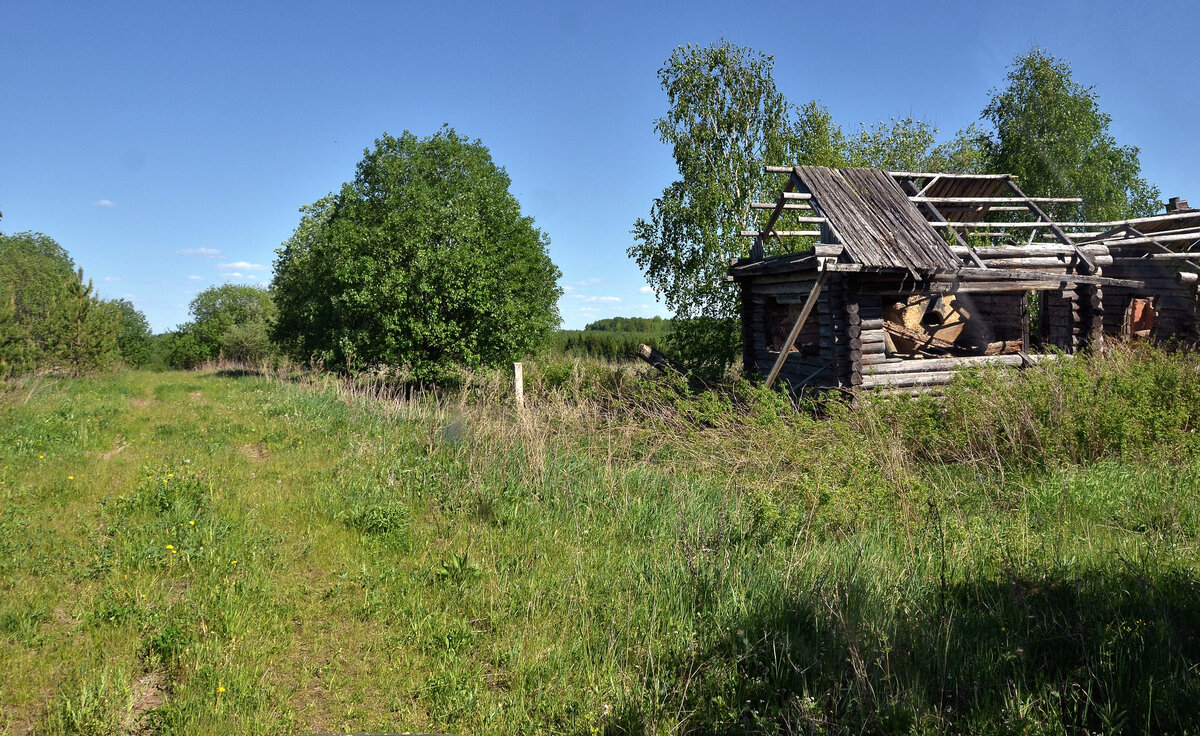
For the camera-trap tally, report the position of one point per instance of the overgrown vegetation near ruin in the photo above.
(224, 552)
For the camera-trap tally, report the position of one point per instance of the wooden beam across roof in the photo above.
(969, 274)
(1007, 225)
(784, 233)
(786, 206)
(997, 200)
(927, 174)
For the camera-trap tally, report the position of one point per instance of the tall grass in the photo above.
(621, 556)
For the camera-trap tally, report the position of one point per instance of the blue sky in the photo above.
(168, 146)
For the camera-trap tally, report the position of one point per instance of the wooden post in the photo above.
(791, 338)
(519, 384)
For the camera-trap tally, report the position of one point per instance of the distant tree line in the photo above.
(613, 339)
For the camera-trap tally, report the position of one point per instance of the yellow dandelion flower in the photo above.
(70, 477)
(233, 562)
(192, 523)
(41, 457)
(170, 546)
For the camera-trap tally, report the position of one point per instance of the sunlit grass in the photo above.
(214, 553)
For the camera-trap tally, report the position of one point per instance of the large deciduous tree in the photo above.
(726, 119)
(423, 261)
(1049, 130)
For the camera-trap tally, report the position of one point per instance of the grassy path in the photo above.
(207, 554)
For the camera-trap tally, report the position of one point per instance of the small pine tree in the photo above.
(88, 332)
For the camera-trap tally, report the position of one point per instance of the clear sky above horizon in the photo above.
(168, 146)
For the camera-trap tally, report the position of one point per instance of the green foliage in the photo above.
(231, 321)
(603, 344)
(134, 340)
(49, 318)
(613, 339)
(908, 144)
(725, 118)
(1049, 130)
(630, 324)
(183, 349)
(423, 261)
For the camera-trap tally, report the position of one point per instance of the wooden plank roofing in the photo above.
(874, 220)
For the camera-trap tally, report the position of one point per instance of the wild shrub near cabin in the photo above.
(424, 261)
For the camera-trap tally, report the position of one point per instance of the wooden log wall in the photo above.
(998, 317)
(843, 344)
(1176, 304)
(1089, 331)
(772, 306)
(1058, 320)
(930, 372)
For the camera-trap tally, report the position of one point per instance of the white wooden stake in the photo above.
(519, 384)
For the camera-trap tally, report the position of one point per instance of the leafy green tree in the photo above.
(133, 339)
(424, 260)
(232, 320)
(909, 144)
(1049, 130)
(54, 321)
(819, 140)
(183, 349)
(725, 120)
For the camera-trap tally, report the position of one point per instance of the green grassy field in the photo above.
(207, 553)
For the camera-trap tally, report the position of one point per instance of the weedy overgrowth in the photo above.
(275, 551)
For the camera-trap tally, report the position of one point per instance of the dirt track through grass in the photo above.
(204, 554)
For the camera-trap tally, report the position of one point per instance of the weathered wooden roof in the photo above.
(774, 265)
(874, 221)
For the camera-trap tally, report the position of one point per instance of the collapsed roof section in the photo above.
(903, 221)
(906, 273)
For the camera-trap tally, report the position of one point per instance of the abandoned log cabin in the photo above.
(897, 279)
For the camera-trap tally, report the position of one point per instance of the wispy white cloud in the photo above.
(104, 203)
(588, 310)
(195, 278)
(593, 298)
(244, 266)
(206, 252)
(112, 279)
(647, 289)
(234, 275)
